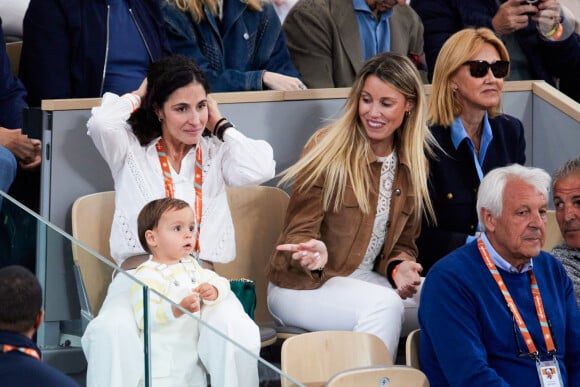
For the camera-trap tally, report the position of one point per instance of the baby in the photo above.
(167, 231)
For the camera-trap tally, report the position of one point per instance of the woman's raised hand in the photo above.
(312, 255)
(142, 90)
(213, 113)
(282, 82)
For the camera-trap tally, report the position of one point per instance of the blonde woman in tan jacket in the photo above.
(346, 257)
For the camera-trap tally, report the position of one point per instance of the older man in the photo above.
(567, 203)
(499, 311)
(329, 40)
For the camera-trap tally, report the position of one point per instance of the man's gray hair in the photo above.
(569, 168)
(491, 189)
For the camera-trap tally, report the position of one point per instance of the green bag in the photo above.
(245, 290)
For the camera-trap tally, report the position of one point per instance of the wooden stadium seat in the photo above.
(92, 216)
(258, 214)
(391, 376)
(412, 349)
(313, 358)
(553, 233)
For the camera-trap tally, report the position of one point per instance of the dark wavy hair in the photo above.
(164, 77)
(20, 299)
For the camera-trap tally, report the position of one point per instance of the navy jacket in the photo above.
(12, 92)
(453, 184)
(19, 369)
(65, 45)
(442, 18)
(234, 55)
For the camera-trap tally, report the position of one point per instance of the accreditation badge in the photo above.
(549, 373)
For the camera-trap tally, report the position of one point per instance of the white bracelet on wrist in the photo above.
(135, 101)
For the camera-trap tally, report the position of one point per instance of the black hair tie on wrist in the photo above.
(220, 131)
(215, 127)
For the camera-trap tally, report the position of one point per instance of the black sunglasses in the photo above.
(479, 68)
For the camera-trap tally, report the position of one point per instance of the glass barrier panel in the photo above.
(201, 348)
(76, 278)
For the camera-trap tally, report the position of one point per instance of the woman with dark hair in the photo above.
(152, 141)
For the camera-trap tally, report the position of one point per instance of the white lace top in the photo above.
(138, 179)
(388, 171)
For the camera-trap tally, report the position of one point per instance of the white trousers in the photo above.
(362, 302)
(114, 351)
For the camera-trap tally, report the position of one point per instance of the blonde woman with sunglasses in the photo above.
(474, 137)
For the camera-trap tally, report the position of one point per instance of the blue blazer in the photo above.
(235, 54)
(453, 184)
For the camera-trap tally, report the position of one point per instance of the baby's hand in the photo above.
(191, 303)
(207, 291)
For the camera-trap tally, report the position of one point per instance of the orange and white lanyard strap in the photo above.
(550, 346)
(168, 181)
(28, 351)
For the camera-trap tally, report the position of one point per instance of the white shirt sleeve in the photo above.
(109, 130)
(246, 161)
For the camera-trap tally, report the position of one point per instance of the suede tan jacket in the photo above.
(347, 232)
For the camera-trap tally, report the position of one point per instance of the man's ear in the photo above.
(38, 319)
(488, 219)
(151, 238)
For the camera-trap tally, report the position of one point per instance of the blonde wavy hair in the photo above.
(341, 152)
(195, 7)
(458, 49)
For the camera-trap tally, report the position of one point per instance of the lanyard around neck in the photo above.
(168, 181)
(533, 351)
(27, 351)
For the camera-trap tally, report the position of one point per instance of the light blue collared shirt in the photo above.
(501, 263)
(458, 134)
(375, 34)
